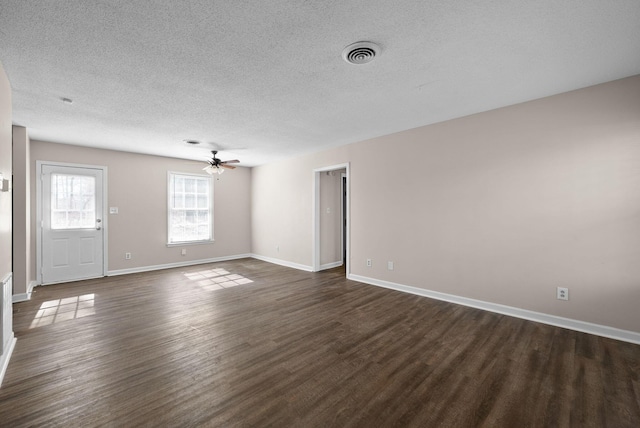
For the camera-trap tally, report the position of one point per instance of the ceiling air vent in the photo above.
(360, 52)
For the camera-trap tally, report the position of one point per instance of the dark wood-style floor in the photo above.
(247, 343)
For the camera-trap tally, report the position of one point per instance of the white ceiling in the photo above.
(265, 80)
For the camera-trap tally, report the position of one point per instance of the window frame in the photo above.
(209, 179)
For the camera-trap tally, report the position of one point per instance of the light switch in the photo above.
(113, 210)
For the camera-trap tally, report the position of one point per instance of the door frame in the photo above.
(39, 178)
(344, 196)
(315, 213)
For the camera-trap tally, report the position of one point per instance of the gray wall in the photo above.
(502, 206)
(137, 185)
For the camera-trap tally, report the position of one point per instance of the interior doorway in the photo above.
(343, 216)
(338, 208)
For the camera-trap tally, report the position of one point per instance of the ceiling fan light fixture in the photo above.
(210, 169)
(216, 166)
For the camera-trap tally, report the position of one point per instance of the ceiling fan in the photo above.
(216, 166)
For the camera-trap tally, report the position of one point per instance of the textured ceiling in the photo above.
(265, 80)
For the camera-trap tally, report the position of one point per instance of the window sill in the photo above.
(182, 244)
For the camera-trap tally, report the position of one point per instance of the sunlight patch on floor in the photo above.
(53, 311)
(217, 279)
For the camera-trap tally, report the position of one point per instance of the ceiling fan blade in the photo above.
(227, 166)
(232, 161)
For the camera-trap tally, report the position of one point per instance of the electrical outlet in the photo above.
(562, 293)
(127, 256)
(368, 262)
(184, 252)
(390, 265)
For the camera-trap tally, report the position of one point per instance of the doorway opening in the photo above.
(331, 217)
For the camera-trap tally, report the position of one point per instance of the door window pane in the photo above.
(73, 201)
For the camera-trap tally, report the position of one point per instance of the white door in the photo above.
(71, 219)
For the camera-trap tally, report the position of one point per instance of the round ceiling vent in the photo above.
(360, 52)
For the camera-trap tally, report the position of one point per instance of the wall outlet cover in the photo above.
(562, 293)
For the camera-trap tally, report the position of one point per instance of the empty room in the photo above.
(320, 214)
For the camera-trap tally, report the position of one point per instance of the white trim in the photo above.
(330, 265)
(105, 220)
(188, 243)
(571, 324)
(315, 215)
(104, 216)
(344, 183)
(23, 297)
(177, 264)
(283, 263)
(315, 223)
(209, 178)
(5, 357)
(5, 354)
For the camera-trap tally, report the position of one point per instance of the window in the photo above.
(190, 208)
(73, 201)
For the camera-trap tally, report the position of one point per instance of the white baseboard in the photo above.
(283, 263)
(5, 357)
(571, 324)
(175, 265)
(331, 265)
(23, 297)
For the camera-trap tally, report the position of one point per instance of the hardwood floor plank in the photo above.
(247, 343)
